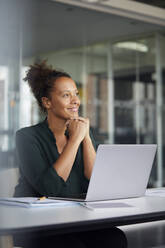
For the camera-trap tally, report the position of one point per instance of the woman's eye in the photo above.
(65, 95)
(77, 93)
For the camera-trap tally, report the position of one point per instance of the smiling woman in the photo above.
(56, 156)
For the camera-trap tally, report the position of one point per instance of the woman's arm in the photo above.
(64, 163)
(89, 153)
(89, 156)
(77, 131)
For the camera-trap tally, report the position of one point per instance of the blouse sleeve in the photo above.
(34, 166)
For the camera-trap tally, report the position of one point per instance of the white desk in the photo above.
(35, 221)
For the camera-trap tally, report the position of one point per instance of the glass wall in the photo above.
(134, 66)
(135, 93)
(121, 82)
(134, 85)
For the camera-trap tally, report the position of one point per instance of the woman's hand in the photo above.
(78, 128)
(86, 121)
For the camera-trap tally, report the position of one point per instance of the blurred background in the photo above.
(115, 52)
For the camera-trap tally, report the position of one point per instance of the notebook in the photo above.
(120, 171)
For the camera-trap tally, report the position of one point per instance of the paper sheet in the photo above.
(33, 202)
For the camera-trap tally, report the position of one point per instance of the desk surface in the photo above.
(17, 220)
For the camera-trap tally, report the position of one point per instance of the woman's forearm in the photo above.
(64, 163)
(89, 156)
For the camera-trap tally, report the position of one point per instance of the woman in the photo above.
(56, 156)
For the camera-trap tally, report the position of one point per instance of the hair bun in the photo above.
(38, 72)
(41, 78)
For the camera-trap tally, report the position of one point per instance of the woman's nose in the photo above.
(75, 99)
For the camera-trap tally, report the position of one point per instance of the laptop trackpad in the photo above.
(108, 205)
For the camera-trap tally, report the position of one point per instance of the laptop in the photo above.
(120, 171)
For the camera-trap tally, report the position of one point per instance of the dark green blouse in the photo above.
(36, 153)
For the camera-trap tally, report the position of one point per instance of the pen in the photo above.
(42, 198)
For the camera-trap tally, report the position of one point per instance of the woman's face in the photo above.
(64, 99)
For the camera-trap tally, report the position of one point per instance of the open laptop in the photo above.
(120, 171)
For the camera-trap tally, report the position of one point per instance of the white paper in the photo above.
(33, 202)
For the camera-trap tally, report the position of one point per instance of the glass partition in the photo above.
(134, 68)
(135, 93)
(161, 78)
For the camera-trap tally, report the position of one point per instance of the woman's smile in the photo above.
(73, 109)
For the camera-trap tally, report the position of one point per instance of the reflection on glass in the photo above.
(4, 108)
(134, 91)
(28, 103)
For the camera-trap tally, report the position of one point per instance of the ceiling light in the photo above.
(130, 45)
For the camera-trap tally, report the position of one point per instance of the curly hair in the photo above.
(41, 78)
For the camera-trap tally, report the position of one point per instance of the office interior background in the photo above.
(115, 52)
